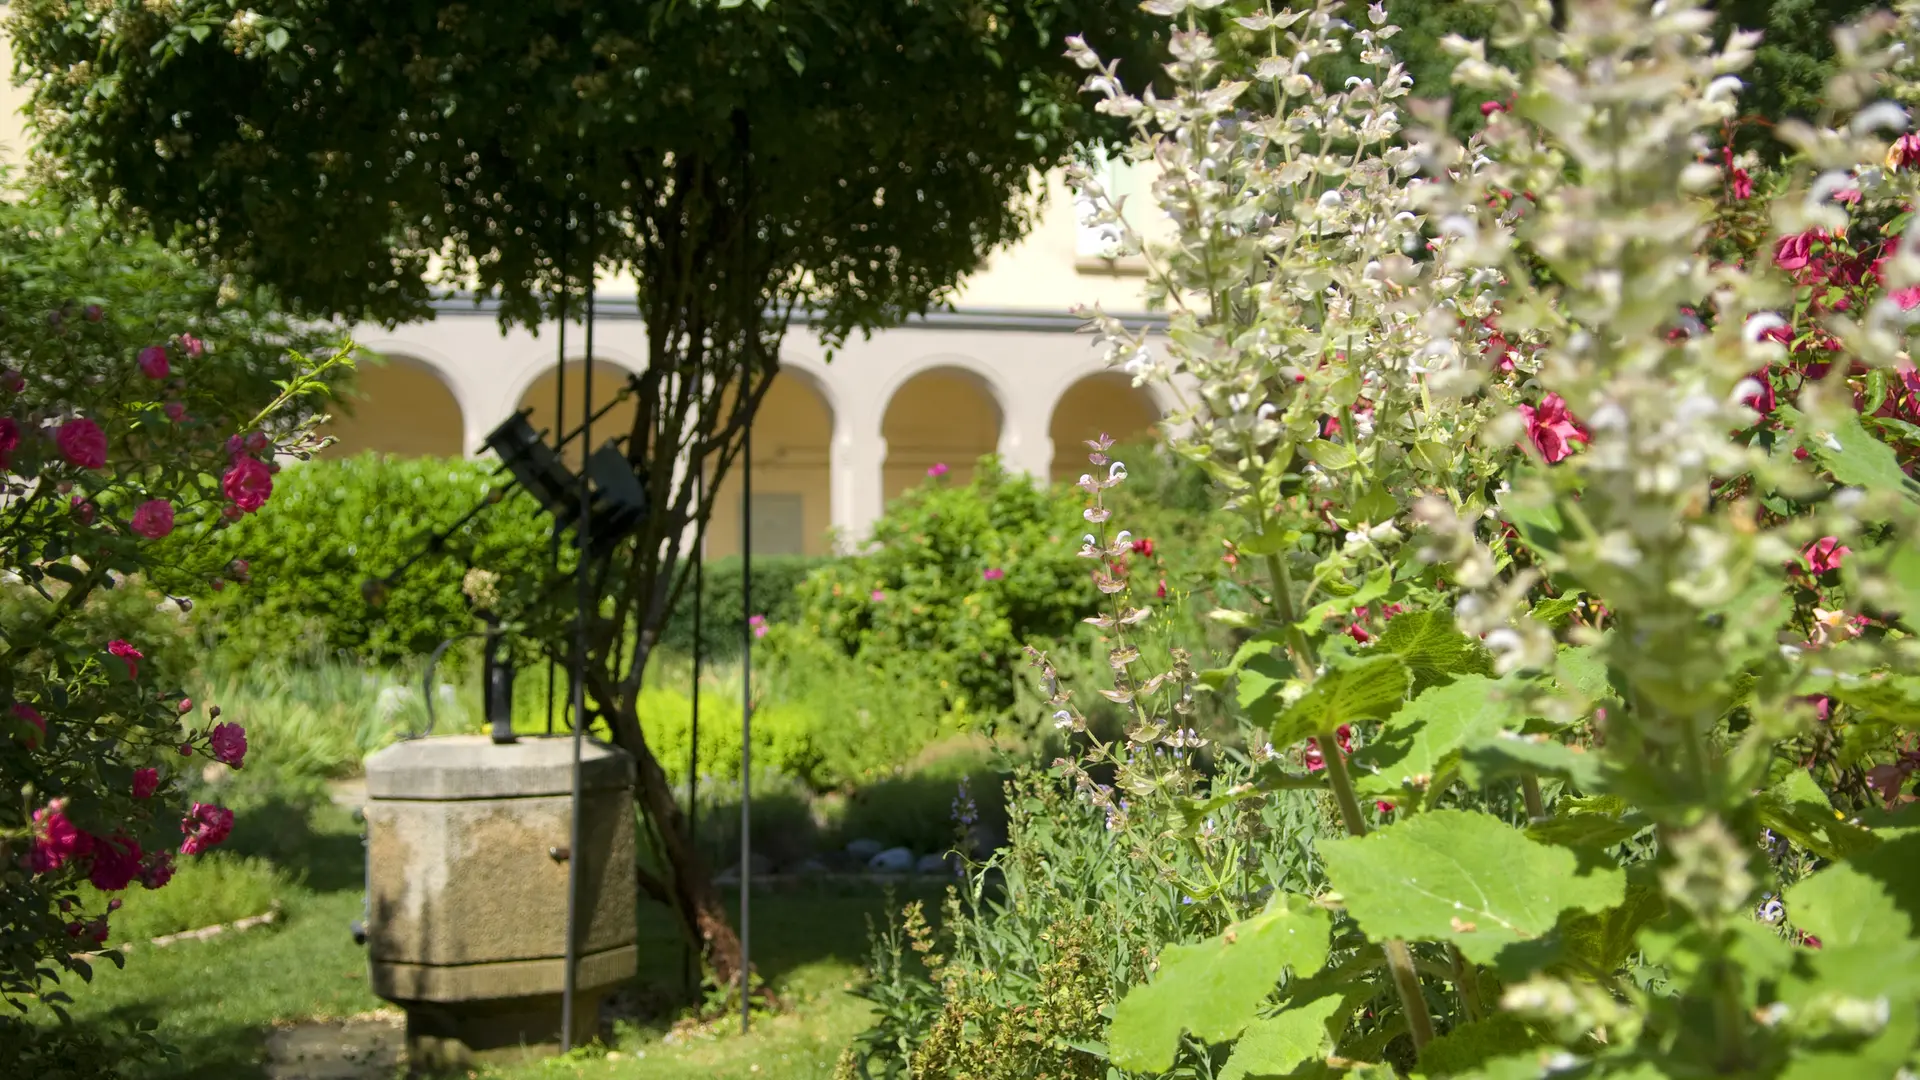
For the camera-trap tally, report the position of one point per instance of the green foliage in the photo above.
(334, 528)
(957, 579)
(777, 580)
(205, 892)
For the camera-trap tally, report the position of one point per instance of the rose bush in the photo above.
(126, 370)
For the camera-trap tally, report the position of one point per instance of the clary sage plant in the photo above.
(1588, 537)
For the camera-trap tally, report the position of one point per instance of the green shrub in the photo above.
(777, 580)
(206, 890)
(956, 579)
(337, 524)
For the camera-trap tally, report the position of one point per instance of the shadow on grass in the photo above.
(317, 843)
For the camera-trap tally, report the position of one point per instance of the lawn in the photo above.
(217, 1001)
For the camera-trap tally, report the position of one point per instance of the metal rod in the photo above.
(559, 418)
(574, 854)
(746, 721)
(693, 726)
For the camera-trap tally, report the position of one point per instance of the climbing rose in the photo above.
(153, 362)
(157, 870)
(229, 741)
(193, 346)
(176, 412)
(1762, 400)
(83, 510)
(1796, 251)
(205, 826)
(32, 716)
(248, 484)
(82, 443)
(145, 783)
(1825, 554)
(153, 519)
(1742, 184)
(9, 439)
(55, 839)
(126, 651)
(116, 863)
(1552, 428)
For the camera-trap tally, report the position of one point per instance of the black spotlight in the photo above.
(617, 502)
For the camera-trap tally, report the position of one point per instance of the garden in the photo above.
(1500, 670)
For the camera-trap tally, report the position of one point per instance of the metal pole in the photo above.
(582, 531)
(693, 727)
(559, 422)
(746, 719)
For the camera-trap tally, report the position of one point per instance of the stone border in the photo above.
(265, 918)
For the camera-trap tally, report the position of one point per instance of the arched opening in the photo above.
(399, 406)
(792, 445)
(940, 417)
(1104, 402)
(608, 380)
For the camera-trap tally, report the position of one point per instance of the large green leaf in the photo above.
(1603, 940)
(1357, 688)
(1434, 648)
(1471, 1045)
(1893, 698)
(1276, 1045)
(1419, 745)
(1463, 877)
(1799, 810)
(1873, 896)
(1214, 988)
(1580, 668)
(1854, 457)
(1504, 754)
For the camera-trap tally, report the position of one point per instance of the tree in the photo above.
(741, 161)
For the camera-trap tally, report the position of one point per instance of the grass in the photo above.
(217, 1000)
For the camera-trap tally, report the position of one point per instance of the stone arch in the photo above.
(398, 405)
(793, 433)
(939, 414)
(1105, 401)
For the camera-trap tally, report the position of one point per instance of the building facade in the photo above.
(1007, 371)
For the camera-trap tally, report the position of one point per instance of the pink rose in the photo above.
(229, 742)
(1762, 400)
(157, 870)
(153, 362)
(83, 510)
(1904, 153)
(1552, 428)
(145, 783)
(1796, 251)
(176, 412)
(153, 519)
(126, 651)
(31, 715)
(1488, 108)
(937, 469)
(55, 839)
(1825, 554)
(248, 484)
(82, 443)
(9, 439)
(192, 346)
(206, 827)
(1742, 185)
(116, 863)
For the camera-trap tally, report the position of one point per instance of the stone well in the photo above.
(467, 849)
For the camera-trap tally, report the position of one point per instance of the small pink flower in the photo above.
(1762, 400)
(153, 519)
(93, 313)
(248, 484)
(1552, 428)
(1359, 633)
(1143, 546)
(153, 362)
(83, 510)
(31, 715)
(1847, 196)
(125, 651)
(1488, 108)
(116, 863)
(82, 443)
(1742, 185)
(206, 827)
(1904, 153)
(157, 870)
(236, 445)
(758, 623)
(55, 839)
(1796, 251)
(145, 783)
(186, 704)
(993, 573)
(1161, 592)
(192, 346)
(186, 749)
(176, 412)
(256, 442)
(1825, 554)
(937, 469)
(877, 596)
(1383, 806)
(1908, 298)
(9, 439)
(238, 568)
(229, 741)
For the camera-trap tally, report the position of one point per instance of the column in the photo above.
(1025, 442)
(855, 466)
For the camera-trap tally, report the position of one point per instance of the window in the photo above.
(1124, 184)
(779, 524)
